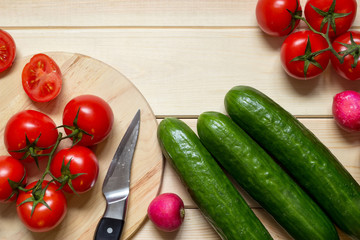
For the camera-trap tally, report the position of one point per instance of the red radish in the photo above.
(167, 212)
(346, 110)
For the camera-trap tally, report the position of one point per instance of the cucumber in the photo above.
(298, 150)
(218, 200)
(258, 174)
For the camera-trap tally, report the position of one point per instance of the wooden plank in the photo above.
(126, 13)
(185, 71)
(196, 227)
(130, 13)
(345, 146)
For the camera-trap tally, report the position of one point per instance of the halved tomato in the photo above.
(41, 78)
(7, 50)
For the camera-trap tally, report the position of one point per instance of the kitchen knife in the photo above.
(116, 186)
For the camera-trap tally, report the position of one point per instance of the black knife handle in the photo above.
(109, 229)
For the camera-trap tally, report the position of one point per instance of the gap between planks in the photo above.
(138, 27)
(160, 117)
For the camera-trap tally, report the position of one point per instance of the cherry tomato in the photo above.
(95, 117)
(41, 78)
(43, 219)
(342, 22)
(10, 169)
(83, 161)
(7, 50)
(274, 18)
(346, 70)
(295, 46)
(37, 127)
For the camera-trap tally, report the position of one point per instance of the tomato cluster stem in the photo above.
(38, 191)
(326, 37)
(47, 170)
(76, 132)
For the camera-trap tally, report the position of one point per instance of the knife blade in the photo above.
(116, 185)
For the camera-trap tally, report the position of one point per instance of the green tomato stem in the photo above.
(47, 170)
(58, 140)
(23, 189)
(326, 37)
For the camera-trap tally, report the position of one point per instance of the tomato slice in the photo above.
(41, 78)
(7, 50)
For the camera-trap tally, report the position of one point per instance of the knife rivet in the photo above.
(109, 230)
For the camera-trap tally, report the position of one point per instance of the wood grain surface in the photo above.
(183, 56)
(182, 72)
(132, 13)
(85, 75)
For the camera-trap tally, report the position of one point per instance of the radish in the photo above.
(346, 110)
(167, 212)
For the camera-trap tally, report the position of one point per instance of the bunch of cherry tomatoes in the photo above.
(305, 54)
(32, 137)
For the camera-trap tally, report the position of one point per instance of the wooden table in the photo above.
(184, 56)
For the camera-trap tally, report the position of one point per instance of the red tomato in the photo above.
(345, 69)
(43, 219)
(83, 160)
(342, 23)
(295, 45)
(30, 124)
(95, 117)
(10, 168)
(41, 78)
(7, 50)
(274, 18)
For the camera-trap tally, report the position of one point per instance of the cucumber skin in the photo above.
(219, 201)
(263, 179)
(310, 162)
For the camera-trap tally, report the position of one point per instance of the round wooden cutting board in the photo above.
(85, 75)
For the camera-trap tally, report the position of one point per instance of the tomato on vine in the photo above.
(12, 175)
(87, 120)
(43, 209)
(29, 135)
(304, 54)
(349, 44)
(277, 17)
(339, 13)
(77, 169)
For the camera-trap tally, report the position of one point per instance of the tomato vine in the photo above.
(37, 191)
(329, 19)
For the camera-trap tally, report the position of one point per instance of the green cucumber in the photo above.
(259, 175)
(300, 152)
(217, 198)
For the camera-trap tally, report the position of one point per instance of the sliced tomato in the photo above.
(7, 50)
(41, 78)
